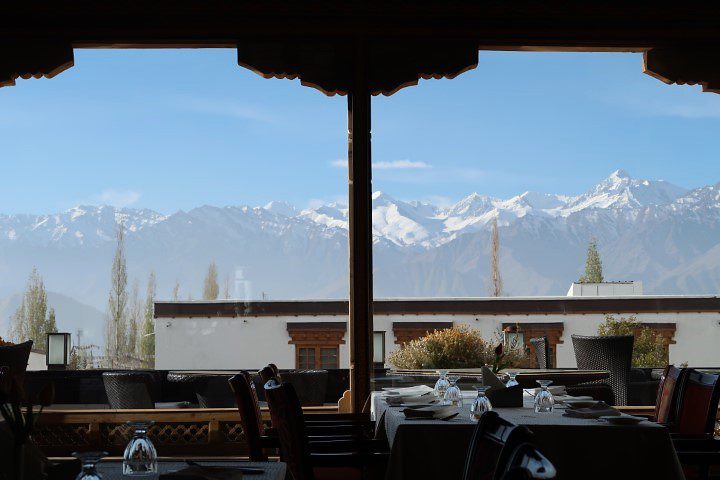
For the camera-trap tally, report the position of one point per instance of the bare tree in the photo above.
(116, 320)
(32, 320)
(147, 341)
(496, 283)
(176, 291)
(226, 292)
(211, 290)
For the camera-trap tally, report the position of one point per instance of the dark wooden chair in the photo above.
(527, 463)
(341, 459)
(668, 393)
(692, 423)
(494, 438)
(250, 416)
(611, 353)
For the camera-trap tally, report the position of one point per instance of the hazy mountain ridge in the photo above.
(654, 231)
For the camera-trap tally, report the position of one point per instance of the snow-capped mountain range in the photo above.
(648, 230)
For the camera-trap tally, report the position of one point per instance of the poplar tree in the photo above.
(116, 320)
(135, 319)
(31, 320)
(593, 265)
(496, 283)
(147, 339)
(176, 291)
(211, 290)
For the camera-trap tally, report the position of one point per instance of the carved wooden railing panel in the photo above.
(203, 432)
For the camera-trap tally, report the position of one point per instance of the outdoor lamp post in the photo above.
(58, 351)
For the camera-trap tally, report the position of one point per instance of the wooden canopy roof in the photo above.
(394, 42)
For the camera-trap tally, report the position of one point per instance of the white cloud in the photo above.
(394, 165)
(119, 198)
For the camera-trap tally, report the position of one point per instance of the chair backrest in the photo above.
(697, 404)
(526, 462)
(250, 416)
(288, 421)
(612, 353)
(128, 389)
(492, 441)
(270, 372)
(542, 353)
(666, 402)
(16, 357)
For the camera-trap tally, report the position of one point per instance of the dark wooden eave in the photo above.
(483, 306)
(315, 40)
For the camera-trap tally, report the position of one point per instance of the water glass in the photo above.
(481, 404)
(442, 384)
(512, 382)
(88, 461)
(453, 395)
(544, 401)
(140, 457)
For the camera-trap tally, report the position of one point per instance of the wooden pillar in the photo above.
(360, 234)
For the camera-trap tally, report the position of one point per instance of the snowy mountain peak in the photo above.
(281, 208)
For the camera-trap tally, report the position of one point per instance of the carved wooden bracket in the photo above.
(684, 67)
(317, 333)
(39, 60)
(407, 331)
(330, 67)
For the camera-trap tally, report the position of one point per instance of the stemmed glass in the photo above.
(140, 457)
(544, 401)
(88, 461)
(481, 404)
(442, 384)
(512, 382)
(453, 395)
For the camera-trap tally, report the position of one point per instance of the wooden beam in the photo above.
(685, 66)
(360, 232)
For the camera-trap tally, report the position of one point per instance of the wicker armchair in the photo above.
(542, 352)
(128, 389)
(612, 353)
(16, 358)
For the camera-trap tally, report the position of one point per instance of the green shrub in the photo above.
(457, 347)
(649, 349)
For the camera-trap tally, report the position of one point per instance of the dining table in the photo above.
(580, 448)
(112, 469)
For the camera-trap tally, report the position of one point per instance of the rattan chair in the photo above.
(15, 357)
(542, 351)
(612, 353)
(126, 390)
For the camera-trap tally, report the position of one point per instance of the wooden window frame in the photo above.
(316, 335)
(407, 331)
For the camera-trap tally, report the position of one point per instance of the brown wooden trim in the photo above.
(552, 330)
(480, 306)
(408, 331)
(319, 326)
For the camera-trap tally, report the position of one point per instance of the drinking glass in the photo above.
(544, 401)
(453, 395)
(481, 404)
(140, 458)
(88, 461)
(512, 382)
(442, 384)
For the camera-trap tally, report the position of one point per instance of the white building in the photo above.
(314, 334)
(605, 289)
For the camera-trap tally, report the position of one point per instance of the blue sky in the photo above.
(172, 130)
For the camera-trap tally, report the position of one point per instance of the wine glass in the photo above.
(442, 384)
(512, 382)
(140, 457)
(88, 461)
(453, 395)
(481, 404)
(544, 401)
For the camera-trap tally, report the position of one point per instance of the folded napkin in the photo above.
(414, 390)
(397, 400)
(601, 409)
(436, 411)
(204, 473)
(490, 379)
